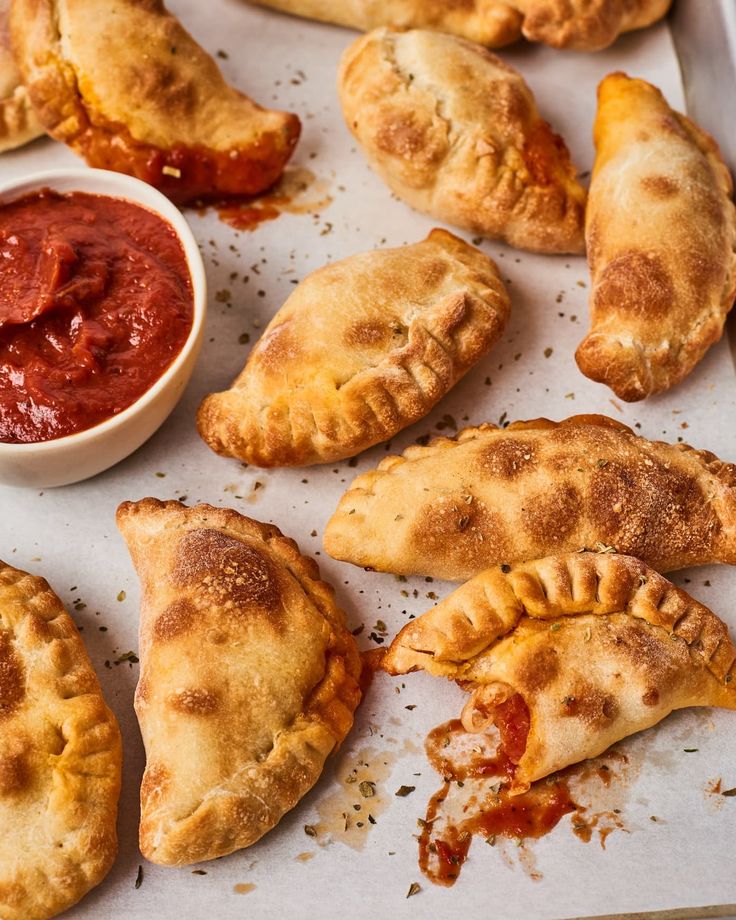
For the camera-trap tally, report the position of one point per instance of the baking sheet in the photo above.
(684, 859)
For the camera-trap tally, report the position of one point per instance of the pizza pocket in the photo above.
(587, 25)
(456, 133)
(18, 122)
(60, 757)
(361, 349)
(569, 654)
(661, 234)
(490, 22)
(126, 87)
(249, 678)
(500, 495)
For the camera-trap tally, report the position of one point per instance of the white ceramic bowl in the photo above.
(79, 456)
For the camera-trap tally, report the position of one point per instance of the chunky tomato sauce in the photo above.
(95, 303)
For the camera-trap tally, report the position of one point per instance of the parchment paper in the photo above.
(683, 859)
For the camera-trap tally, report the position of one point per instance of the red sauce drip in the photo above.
(95, 304)
(467, 806)
(185, 172)
(243, 215)
(530, 815)
(370, 663)
(512, 720)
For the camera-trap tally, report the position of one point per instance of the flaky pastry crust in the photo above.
(664, 280)
(249, 678)
(587, 25)
(456, 133)
(361, 349)
(129, 89)
(496, 495)
(490, 22)
(60, 757)
(598, 645)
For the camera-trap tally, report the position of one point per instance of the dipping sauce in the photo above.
(95, 303)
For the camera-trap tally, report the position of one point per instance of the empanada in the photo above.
(249, 678)
(60, 757)
(18, 122)
(456, 133)
(588, 25)
(128, 89)
(360, 350)
(490, 22)
(661, 233)
(569, 654)
(499, 495)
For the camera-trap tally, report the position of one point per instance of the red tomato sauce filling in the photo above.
(95, 303)
(512, 720)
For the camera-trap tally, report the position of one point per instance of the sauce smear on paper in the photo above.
(474, 799)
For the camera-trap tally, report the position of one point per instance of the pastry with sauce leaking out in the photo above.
(249, 677)
(455, 132)
(361, 349)
(60, 757)
(661, 234)
(125, 86)
(493, 495)
(569, 654)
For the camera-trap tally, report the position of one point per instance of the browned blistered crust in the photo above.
(587, 25)
(456, 133)
(125, 85)
(361, 349)
(249, 678)
(599, 646)
(490, 22)
(583, 24)
(60, 757)
(663, 282)
(493, 495)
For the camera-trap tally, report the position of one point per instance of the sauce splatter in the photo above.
(298, 191)
(471, 804)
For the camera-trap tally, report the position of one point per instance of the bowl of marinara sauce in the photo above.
(102, 304)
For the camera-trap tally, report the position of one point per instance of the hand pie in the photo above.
(490, 22)
(360, 350)
(569, 654)
(456, 133)
(661, 232)
(498, 495)
(18, 123)
(60, 757)
(249, 678)
(588, 25)
(128, 89)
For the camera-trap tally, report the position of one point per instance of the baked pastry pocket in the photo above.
(249, 677)
(361, 349)
(569, 654)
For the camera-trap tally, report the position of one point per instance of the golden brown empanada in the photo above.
(587, 25)
(128, 89)
(18, 122)
(249, 678)
(661, 232)
(569, 654)
(499, 495)
(456, 133)
(360, 350)
(60, 757)
(490, 22)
